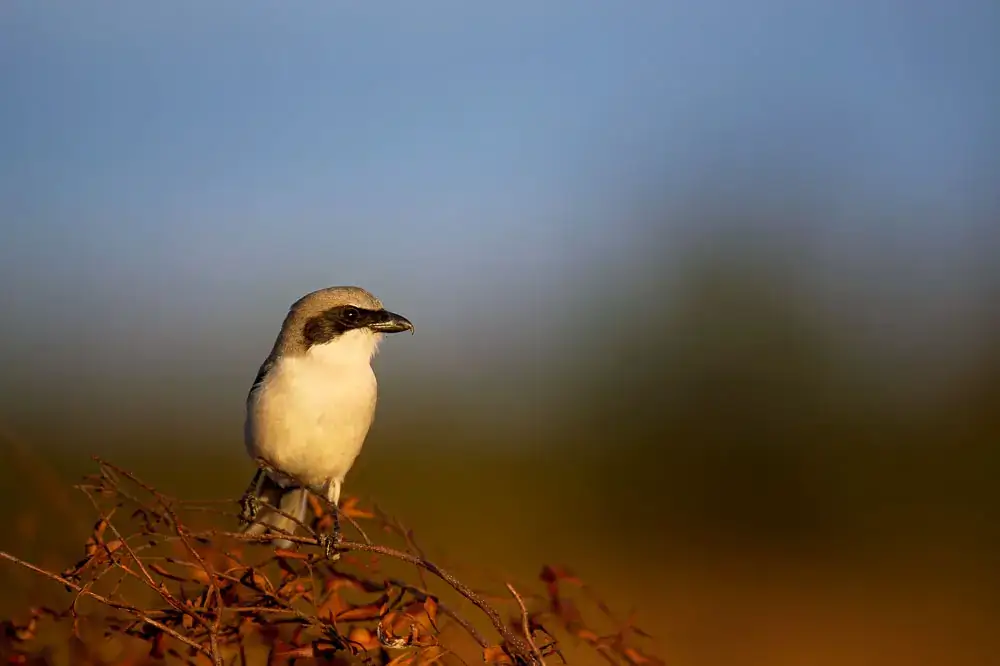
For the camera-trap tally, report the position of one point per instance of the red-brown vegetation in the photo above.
(168, 580)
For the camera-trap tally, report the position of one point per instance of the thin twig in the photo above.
(212, 628)
(421, 595)
(411, 544)
(107, 602)
(515, 643)
(526, 626)
(221, 595)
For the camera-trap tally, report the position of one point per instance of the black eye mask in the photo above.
(334, 322)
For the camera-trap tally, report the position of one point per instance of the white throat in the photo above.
(312, 414)
(352, 347)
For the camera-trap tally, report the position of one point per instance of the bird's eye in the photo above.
(351, 314)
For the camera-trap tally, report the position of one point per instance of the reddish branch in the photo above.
(217, 596)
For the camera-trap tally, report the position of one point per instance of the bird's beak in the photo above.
(390, 322)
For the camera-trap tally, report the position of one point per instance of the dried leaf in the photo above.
(318, 507)
(99, 528)
(553, 574)
(349, 508)
(22, 633)
(370, 611)
(298, 635)
(636, 657)
(333, 605)
(200, 575)
(339, 580)
(219, 577)
(394, 630)
(255, 580)
(496, 655)
(431, 608)
(157, 648)
(363, 637)
(639, 631)
(303, 652)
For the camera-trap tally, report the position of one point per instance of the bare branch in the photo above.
(525, 625)
(211, 596)
(107, 602)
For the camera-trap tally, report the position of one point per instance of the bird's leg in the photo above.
(250, 502)
(330, 541)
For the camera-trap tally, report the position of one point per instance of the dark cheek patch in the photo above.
(320, 330)
(328, 325)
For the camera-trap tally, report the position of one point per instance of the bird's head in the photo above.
(340, 318)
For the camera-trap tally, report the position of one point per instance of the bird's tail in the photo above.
(292, 501)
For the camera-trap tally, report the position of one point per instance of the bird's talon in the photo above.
(249, 506)
(329, 544)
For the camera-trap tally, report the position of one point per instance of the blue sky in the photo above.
(178, 167)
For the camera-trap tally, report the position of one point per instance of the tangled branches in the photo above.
(168, 580)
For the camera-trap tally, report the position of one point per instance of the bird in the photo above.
(310, 407)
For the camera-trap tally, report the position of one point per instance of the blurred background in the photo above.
(707, 294)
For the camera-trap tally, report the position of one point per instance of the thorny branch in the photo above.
(210, 600)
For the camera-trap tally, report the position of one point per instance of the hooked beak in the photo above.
(390, 322)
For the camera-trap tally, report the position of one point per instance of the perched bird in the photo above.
(312, 403)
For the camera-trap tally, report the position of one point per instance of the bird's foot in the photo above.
(250, 502)
(249, 506)
(329, 543)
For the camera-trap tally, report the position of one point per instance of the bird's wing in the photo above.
(265, 368)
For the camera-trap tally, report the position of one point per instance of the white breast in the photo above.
(312, 413)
